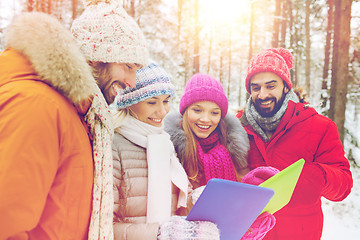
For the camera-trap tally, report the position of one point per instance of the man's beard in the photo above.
(277, 105)
(106, 91)
(106, 96)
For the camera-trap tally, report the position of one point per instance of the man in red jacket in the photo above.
(282, 130)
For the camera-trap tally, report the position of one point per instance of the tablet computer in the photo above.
(283, 185)
(233, 206)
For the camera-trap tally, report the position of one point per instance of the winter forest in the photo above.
(220, 37)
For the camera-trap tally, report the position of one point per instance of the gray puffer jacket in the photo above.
(130, 192)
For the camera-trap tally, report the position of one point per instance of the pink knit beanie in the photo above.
(275, 60)
(202, 87)
(106, 33)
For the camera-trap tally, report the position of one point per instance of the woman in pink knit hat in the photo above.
(212, 144)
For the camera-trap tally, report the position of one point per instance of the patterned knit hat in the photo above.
(151, 81)
(275, 60)
(106, 33)
(202, 87)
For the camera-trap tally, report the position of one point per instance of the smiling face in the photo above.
(118, 76)
(203, 118)
(267, 92)
(152, 110)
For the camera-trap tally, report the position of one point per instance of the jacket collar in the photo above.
(46, 51)
(238, 142)
(295, 113)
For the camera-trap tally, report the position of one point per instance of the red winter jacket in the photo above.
(303, 133)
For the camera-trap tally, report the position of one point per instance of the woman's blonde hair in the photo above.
(190, 159)
(119, 115)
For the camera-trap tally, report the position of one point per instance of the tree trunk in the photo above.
(132, 8)
(179, 15)
(307, 46)
(229, 66)
(38, 6)
(186, 64)
(221, 69)
(291, 25)
(210, 47)
(251, 36)
(196, 64)
(340, 68)
(276, 26)
(30, 5)
(329, 36)
(75, 4)
(49, 7)
(284, 21)
(295, 38)
(252, 20)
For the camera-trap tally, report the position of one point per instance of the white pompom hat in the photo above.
(106, 33)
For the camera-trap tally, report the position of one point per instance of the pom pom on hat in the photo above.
(151, 81)
(106, 33)
(275, 60)
(202, 87)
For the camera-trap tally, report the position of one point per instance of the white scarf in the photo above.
(98, 119)
(164, 167)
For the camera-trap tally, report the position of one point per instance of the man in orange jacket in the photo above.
(46, 166)
(55, 136)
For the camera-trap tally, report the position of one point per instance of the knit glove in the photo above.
(264, 223)
(177, 228)
(259, 175)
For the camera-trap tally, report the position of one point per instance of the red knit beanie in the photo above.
(202, 87)
(275, 60)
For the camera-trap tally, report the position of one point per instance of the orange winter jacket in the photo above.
(46, 166)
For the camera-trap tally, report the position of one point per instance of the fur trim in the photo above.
(54, 54)
(237, 139)
(172, 125)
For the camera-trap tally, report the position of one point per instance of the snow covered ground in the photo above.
(342, 219)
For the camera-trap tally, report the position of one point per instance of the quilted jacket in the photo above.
(130, 192)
